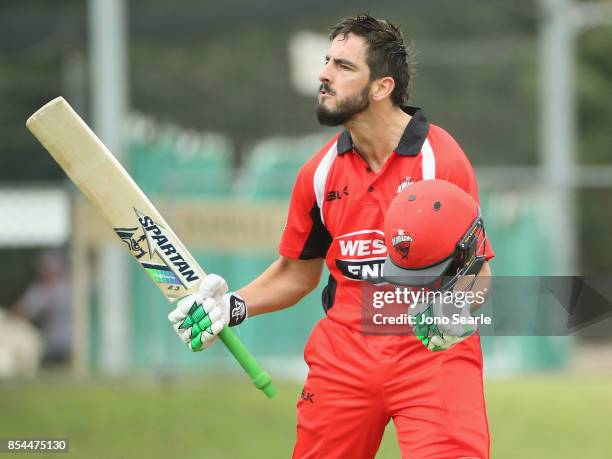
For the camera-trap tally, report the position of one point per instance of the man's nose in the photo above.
(325, 74)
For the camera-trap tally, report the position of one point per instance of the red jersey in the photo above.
(338, 206)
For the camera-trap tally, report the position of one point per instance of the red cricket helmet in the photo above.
(434, 233)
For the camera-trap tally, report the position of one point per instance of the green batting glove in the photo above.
(439, 326)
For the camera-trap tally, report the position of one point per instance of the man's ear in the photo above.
(382, 88)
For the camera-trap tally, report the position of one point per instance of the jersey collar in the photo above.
(412, 139)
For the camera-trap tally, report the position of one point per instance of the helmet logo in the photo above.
(401, 243)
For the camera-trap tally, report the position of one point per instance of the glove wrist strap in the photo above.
(237, 309)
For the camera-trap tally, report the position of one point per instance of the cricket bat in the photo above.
(135, 220)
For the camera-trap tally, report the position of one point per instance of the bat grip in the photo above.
(258, 375)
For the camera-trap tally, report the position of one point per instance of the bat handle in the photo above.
(258, 375)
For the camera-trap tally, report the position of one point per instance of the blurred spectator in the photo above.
(46, 303)
(20, 346)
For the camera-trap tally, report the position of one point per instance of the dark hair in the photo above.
(386, 55)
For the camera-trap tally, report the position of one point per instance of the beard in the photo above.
(345, 110)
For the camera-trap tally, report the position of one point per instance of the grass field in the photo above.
(530, 418)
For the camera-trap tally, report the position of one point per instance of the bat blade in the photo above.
(135, 220)
(122, 204)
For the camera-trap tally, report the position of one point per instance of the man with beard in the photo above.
(356, 382)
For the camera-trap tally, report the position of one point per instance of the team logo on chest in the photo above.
(404, 183)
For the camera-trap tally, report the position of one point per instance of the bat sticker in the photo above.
(127, 236)
(161, 274)
(161, 242)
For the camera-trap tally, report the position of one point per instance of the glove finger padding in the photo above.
(200, 317)
(453, 326)
(213, 286)
(197, 321)
(437, 343)
(177, 317)
(205, 316)
(439, 325)
(206, 339)
(419, 314)
(184, 306)
(207, 324)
